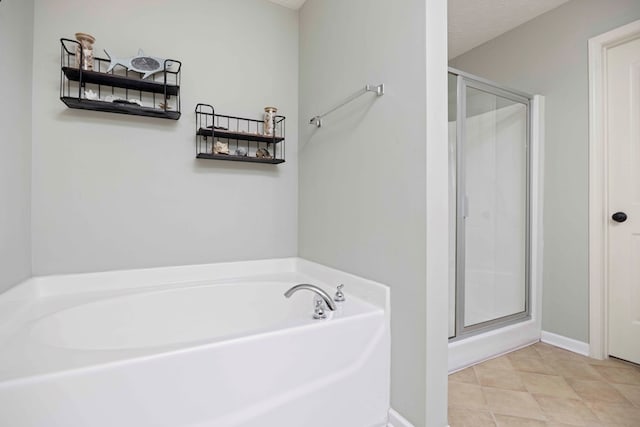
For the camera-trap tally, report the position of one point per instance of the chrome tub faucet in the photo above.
(321, 296)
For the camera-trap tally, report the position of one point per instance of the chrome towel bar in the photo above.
(377, 89)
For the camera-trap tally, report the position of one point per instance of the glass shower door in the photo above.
(492, 207)
(453, 126)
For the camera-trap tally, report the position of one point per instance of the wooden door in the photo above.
(623, 136)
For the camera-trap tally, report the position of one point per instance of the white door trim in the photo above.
(598, 185)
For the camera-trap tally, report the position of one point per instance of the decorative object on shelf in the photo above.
(221, 148)
(245, 138)
(117, 100)
(128, 101)
(240, 151)
(84, 51)
(117, 86)
(147, 65)
(217, 127)
(89, 94)
(269, 118)
(263, 153)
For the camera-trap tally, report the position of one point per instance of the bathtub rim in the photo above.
(62, 284)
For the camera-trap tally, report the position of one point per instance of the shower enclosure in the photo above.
(489, 204)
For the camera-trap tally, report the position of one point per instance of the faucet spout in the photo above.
(313, 288)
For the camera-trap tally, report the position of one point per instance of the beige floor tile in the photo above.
(549, 385)
(542, 385)
(555, 353)
(566, 411)
(619, 375)
(597, 391)
(542, 347)
(461, 417)
(501, 362)
(602, 424)
(557, 424)
(466, 396)
(464, 376)
(511, 421)
(516, 403)
(612, 361)
(618, 414)
(530, 364)
(528, 352)
(575, 369)
(506, 379)
(631, 392)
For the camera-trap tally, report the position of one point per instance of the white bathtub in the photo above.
(217, 352)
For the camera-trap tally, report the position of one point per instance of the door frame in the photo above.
(598, 186)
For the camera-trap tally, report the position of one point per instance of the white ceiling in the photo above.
(291, 4)
(474, 22)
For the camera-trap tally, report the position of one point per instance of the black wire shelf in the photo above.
(124, 82)
(233, 158)
(119, 90)
(238, 139)
(240, 135)
(111, 107)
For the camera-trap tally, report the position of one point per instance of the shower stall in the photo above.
(491, 164)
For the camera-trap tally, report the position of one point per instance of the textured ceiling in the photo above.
(474, 22)
(291, 4)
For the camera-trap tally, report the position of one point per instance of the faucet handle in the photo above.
(318, 312)
(339, 297)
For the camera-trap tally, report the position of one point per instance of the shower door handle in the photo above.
(464, 212)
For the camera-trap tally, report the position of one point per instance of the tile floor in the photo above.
(542, 385)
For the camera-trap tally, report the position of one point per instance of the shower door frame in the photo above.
(465, 80)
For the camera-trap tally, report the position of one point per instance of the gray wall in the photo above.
(16, 48)
(549, 56)
(116, 192)
(362, 175)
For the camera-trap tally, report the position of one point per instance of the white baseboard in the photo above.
(564, 342)
(397, 420)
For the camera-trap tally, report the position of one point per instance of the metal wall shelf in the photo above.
(239, 158)
(238, 133)
(110, 107)
(124, 82)
(159, 94)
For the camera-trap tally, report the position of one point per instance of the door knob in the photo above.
(619, 217)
